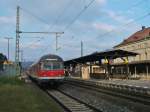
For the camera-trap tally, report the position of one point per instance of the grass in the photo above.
(6, 80)
(16, 96)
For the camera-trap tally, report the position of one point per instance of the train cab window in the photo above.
(46, 66)
(57, 65)
(51, 66)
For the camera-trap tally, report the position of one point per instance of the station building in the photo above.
(129, 66)
(139, 66)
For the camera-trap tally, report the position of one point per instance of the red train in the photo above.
(48, 69)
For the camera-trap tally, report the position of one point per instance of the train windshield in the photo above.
(57, 65)
(52, 66)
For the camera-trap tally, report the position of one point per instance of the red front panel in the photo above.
(50, 73)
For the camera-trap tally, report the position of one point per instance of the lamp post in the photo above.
(8, 39)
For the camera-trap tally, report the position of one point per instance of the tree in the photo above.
(3, 58)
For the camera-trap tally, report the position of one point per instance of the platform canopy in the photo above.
(98, 56)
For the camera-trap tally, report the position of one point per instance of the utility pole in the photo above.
(8, 39)
(17, 42)
(81, 48)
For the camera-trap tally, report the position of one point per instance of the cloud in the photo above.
(117, 17)
(97, 19)
(2, 40)
(103, 26)
(31, 45)
(7, 19)
(102, 2)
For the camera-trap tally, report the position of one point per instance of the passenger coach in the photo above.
(49, 68)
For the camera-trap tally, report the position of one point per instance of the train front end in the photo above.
(51, 69)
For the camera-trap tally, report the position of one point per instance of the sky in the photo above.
(99, 24)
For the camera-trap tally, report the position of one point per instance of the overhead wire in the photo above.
(58, 18)
(88, 5)
(79, 14)
(55, 23)
(67, 27)
(61, 14)
(137, 19)
(111, 30)
(35, 16)
(38, 18)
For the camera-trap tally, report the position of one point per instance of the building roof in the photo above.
(139, 35)
(97, 56)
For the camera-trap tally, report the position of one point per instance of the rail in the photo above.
(69, 103)
(135, 94)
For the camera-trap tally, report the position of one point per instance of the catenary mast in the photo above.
(17, 42)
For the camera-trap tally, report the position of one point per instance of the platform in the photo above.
(135, 86)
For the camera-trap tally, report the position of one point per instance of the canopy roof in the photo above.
(97, 56)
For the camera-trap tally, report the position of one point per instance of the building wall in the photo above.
(142, 47)
(85, 72)
(138, 69)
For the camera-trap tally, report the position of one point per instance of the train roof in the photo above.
(51, 57)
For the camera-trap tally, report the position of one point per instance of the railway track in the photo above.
(69, 103)
(74, 104)
(136, 98)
